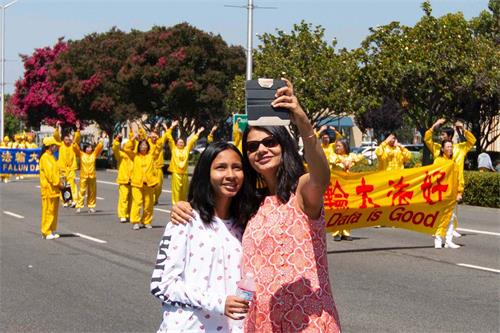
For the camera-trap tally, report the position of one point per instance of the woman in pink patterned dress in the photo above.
(284, 243)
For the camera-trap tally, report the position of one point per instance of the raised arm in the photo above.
(210, 136)
(77, 137)
(429, 142)
(312, 185)
(193, 138)
(57, 132)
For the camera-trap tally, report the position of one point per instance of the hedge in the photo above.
(482, 189)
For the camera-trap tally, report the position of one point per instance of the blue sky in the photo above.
(32, 24)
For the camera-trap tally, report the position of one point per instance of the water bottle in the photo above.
(246, 287)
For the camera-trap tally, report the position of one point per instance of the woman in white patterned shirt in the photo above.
(198, 264)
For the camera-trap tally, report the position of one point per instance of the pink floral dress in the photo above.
(286, 252)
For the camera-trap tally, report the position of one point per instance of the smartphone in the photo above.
(259, 95)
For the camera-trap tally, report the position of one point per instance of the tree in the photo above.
(182, 73)
(88, 76)
(426, 67)
(37, 98)
(384, 120)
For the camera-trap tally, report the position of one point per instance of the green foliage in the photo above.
(482, 189)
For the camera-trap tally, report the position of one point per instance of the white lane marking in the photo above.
(479, 232)
(97, 240)
(166, 191)
(105, 182)
(162, 210)
(480, 268)
(99, 198)
(13, 214)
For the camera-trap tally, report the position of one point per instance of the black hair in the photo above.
(141, 141)
(449, 131)
(441, 151)
(289, 171)
(86, 145)
(201, 195)
(345, 145)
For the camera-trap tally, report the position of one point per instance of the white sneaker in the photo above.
(136, 226)
(148, 226)
(123, 220)
(78, 210)
(456, 234)
(91, 210)
(451, 245)
(438, 242)
(52, 236)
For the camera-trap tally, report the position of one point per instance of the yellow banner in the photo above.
(418, 199)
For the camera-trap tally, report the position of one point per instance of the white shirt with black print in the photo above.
(197, 267)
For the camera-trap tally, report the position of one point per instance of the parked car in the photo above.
(415, 149)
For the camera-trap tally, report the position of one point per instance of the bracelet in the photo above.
(309, 136)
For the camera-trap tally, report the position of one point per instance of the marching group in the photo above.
(252, 208)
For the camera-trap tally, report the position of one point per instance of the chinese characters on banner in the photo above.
(418, 199)
(19, 161)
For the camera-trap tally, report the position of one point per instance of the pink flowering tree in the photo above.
(37, 99)
(87, 74)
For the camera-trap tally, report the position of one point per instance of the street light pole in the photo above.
(250, 7)
(3, 8)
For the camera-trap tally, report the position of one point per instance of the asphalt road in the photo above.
(95, 278)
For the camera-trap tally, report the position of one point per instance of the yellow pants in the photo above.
(158, 187)
(142, 197)
(87, 185)
(50, 211)
(344, 232)
(70, 179)
(443, 227)
(124, 201)
(180, 186)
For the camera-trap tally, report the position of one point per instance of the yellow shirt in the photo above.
(337, 160)
(460, 151)
(87, 161)
(392, 158)
(5, 145)
(124, 162)
(180, 157)
(442, 160)
(144, 171)
(160, 160)
(31, 145)
(49, 176)
(237, 137)
(67, 155)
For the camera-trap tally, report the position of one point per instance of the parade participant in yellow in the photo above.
(210, 136)
(67, 158)
(125, 165)
(88, 182)
(237, 134)
(5, 144)
(30, 141)
(460, 150)
(50, 188)
(157, 142)
(179, 163)
(391, 155)
(447, 230)
(326, 145)
(144, 179)
(344, 160)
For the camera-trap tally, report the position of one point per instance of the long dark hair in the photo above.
(201, 195)
(344, 144)
(289, 171)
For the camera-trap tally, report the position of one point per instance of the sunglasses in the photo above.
(269, 142)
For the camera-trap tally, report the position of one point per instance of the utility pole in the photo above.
(250, 7)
